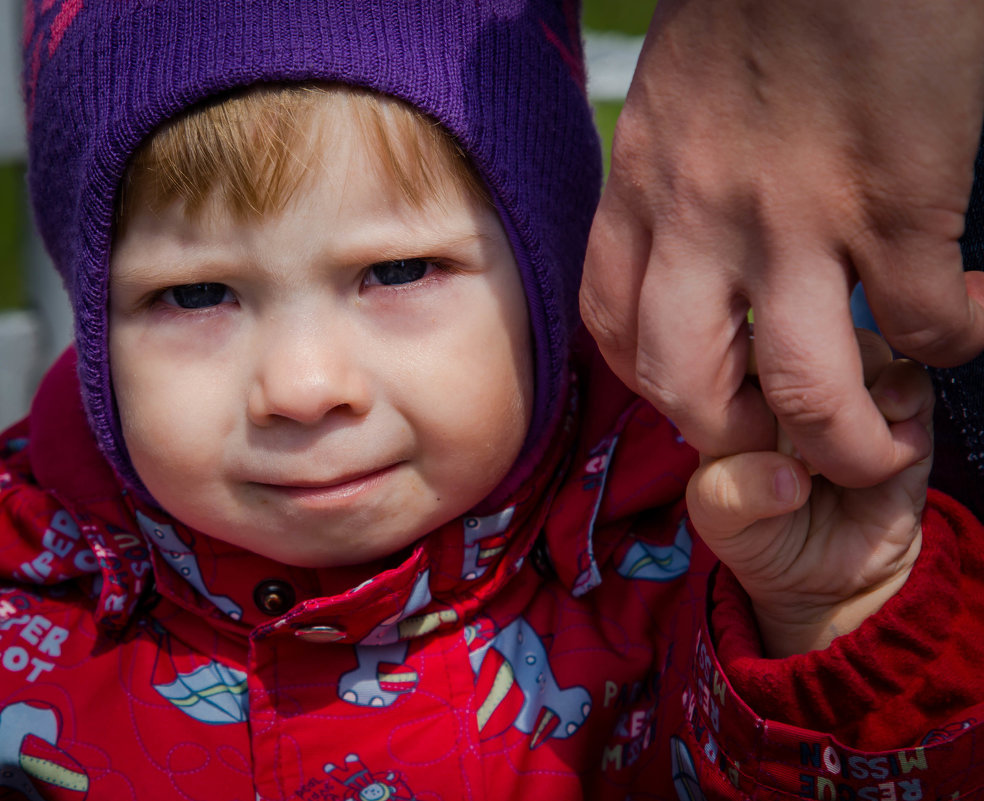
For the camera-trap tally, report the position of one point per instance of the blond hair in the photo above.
(254, 147)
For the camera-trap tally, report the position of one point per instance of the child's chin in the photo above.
(370, 562)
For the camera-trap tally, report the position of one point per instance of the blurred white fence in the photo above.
(29, 340)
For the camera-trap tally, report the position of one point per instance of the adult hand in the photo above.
(816, 559)
(769, 154)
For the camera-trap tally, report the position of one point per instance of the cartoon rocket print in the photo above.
(658, 562)
(518, 687)
(30, 759)
(684, 772)
(484, 540)
(381, 677)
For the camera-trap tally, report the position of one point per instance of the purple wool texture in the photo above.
(505, 77)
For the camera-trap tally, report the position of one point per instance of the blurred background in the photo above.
(35, 322)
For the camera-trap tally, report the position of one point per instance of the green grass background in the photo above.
(12, 224)
(627, 16)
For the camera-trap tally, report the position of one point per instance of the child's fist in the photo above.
(817, 559)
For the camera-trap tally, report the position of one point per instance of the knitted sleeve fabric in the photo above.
(912, 667)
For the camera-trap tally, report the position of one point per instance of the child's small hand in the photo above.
(817, 559)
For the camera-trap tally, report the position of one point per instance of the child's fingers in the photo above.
(900, 388)
(876, 355)
(903, 393)
(903, 390)
(727, 495)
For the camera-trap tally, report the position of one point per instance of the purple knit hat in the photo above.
(505, 77)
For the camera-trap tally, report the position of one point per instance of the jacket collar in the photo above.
(59, 470)
(612, 456)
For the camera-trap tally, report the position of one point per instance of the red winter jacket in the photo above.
(558, 648)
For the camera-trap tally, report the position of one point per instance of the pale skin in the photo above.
(771, 153)
(817, 559)
(326, 384)
(305, 385)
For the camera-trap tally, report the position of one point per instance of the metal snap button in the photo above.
(320, 634)
(274, 597)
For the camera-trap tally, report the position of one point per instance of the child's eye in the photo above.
(196, 296)
(398, 271)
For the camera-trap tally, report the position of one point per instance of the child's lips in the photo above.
(333, 490)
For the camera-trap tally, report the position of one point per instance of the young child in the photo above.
(332, 501)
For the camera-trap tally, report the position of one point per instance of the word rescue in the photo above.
(885, 777)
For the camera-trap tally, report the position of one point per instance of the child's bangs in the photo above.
(255, 147)
(415, 152)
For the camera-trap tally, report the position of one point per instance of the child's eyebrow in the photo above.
(153, 271)
(429, 245)
(188, 267)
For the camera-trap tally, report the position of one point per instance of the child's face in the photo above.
(325, 385)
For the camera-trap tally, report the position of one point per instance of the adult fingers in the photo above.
(925, 305)
(615, 263)
(694, 349)
(875, 355)
(811, 374)
(669, 321)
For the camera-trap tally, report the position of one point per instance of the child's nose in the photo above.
(304, 377)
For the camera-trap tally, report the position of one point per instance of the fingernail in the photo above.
(785, 485)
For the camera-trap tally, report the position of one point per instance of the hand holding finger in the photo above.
(815, 558)
(727, 496)
(776, 187)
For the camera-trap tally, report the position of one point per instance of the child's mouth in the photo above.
(331, 491)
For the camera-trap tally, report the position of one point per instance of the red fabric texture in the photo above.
(556, 649)
(919, 660)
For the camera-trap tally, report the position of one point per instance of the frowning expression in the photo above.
(329, 383)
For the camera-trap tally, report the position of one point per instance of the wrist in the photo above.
(798, 626)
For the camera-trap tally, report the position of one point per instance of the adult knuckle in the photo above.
(631, 140)
(801, 403)
(936, 340)
(609, 328)
(666, 389)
